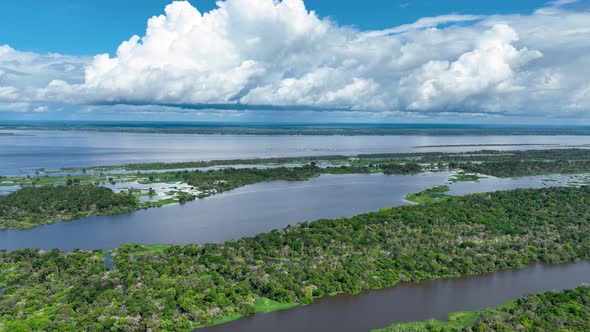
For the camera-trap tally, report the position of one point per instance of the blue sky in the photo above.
(461, 61)
(88, 27)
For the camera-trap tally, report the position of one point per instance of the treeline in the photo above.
(423, 157)
(525, 168)
(567, 310)
(215, 181)
(211, 163)
(33, 206)
(186, 286)
(499, 155)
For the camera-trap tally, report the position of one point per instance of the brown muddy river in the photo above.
(411, 302)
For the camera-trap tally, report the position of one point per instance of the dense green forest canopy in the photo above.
(525, 168)
(182, 287)
(567, 310)
(33, 206)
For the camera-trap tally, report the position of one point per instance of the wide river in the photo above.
(27, 150)
(411, 302)
(250, 210)
(242, 212)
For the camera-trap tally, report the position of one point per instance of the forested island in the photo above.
(33, 206)
(567, 310)
(565, 154)
(184, 287)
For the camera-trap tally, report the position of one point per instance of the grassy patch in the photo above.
(430, 195)
(457, 321)
(262, 305)
(267, 305)
(464, 177)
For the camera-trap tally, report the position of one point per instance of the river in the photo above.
(253, 209)
(414, 301)
(245, 211)
(20, 154)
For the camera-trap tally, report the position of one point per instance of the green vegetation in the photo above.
(464, 177)
(429, 195)
(457, 321)
(33, 206)
(552, 311)
(366, 159)
(525, 168)
(182, 287)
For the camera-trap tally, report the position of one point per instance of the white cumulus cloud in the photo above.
(489, 68)
(279, 53)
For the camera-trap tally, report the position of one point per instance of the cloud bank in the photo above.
(262, 53)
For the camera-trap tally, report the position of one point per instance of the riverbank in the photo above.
(419, 301)
(16, 212)
(555, 310)
(199, 284)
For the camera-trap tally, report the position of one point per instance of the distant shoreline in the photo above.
(269, 129)
(13, 134)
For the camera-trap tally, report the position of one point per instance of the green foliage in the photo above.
(515, 168)
(552, 311)
(430, 195)
(33, 206)
(407, 168)
(179, 287)
(397, 158)
(463, 177)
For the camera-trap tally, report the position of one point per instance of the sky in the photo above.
(296, 61)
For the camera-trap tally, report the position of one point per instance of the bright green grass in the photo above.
(262, 305)
(463, 177)
(430, 195)
(267, 305)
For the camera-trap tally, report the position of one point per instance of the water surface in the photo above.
(414, 301)
(32, 149)
(245, 211)
(253, 209)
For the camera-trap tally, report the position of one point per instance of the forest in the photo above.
(414, 157)
(34, 206)
(184, 287)
(506, 169)
(567, 310)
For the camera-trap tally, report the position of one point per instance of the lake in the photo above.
(30, 149)
(414, 301)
